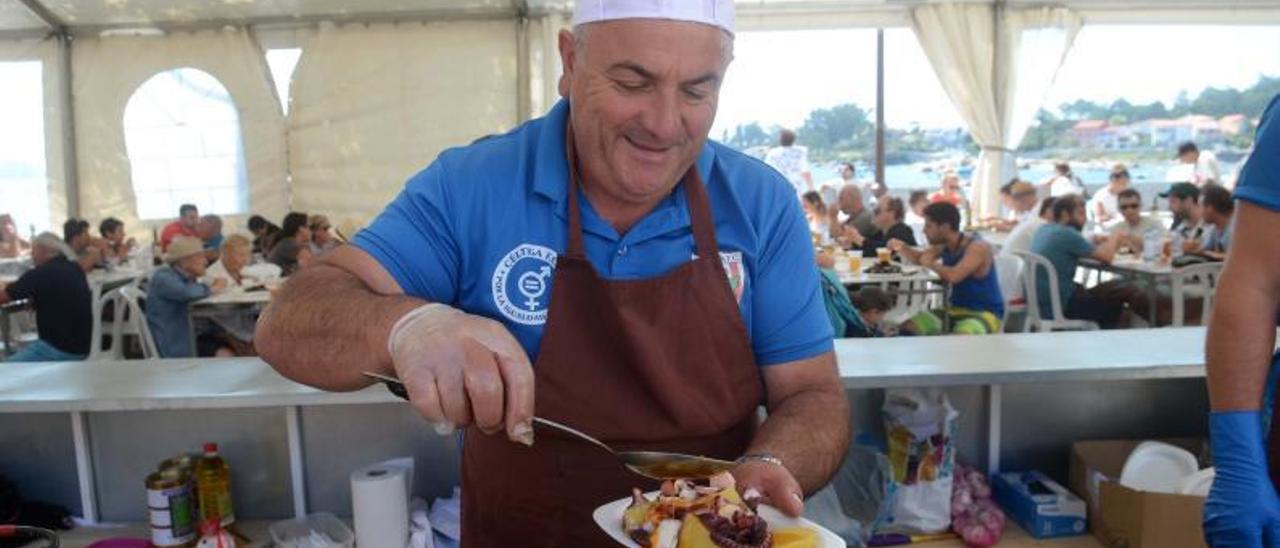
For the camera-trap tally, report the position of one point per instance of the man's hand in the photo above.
(218, 285)
(1242, 509)
(774, 482)
(895, 245)
(1191, 246)
(461, 369)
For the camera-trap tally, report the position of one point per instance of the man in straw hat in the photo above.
(171, 290)
(605, 266)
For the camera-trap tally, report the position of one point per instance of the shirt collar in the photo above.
(551, 168)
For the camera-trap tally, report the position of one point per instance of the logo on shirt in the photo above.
(734, 271)
(522, 284)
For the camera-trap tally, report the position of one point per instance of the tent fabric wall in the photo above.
(544, 61)
(989, 79)
(372, 105)
(107, 73)
(46, 51)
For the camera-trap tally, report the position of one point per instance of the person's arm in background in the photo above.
(1104, 251)
(173, 288)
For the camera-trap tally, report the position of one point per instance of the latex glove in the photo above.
(1243, 510)
(460, 369)
(774, 482)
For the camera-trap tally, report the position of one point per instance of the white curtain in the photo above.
(372, 105)
(997, 74)
(46, 52)
(107, 73)
(544, 62)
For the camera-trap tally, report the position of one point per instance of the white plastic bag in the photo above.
(919, 424)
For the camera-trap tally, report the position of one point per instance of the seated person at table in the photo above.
(322, 240)
(233, 265)
(170, 293)
(1188, 229)
(209, 229)
(888, 219)
(1104, 206)
(1134, 229)
(1020, 238)
(89, 253)
(815, 211)
(967, 264)
(11, 244)
(915, 212)
(60, 294)
(234, 329)
(858, 217)
(264, 234)
(188, 218)
(1022, 202)
(872, 303)
(115, 246)
(292, 249)
(1063, 245)
(1217, 209)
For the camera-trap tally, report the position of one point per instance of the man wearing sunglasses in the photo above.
(1133, 231)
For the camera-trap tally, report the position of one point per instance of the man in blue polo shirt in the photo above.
(605, 266)
(1242, 509)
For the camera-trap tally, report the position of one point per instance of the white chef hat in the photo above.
(717, 13)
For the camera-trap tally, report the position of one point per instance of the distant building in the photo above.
(1234, 124)
(1089, 133)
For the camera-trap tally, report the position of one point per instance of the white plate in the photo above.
(609, 518)
(1158, 467)
(1198, 484)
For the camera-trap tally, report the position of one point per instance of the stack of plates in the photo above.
(1162, 468)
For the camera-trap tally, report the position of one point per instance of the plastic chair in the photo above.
(128, 319)
(1009, 277)
(1198, 280)
(1057, 321)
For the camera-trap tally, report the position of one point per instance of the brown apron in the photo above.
(662, 363)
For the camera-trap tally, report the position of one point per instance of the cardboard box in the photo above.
(1040, 505)
(1123, 517)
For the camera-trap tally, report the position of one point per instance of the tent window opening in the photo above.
(183, 138)
(282, 62)
(24, 188)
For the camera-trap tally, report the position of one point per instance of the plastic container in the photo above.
(287, 534)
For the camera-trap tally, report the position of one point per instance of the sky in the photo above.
(777, 77)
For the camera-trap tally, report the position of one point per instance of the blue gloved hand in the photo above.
(1243, 510)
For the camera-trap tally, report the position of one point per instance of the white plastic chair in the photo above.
(1057, 321)
(128, 319)
(1198, 280)
(1009, 277)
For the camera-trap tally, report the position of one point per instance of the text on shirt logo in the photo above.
(522, 282)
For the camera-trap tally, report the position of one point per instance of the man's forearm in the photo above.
(326, 326)
(1240, 341)
(809, 431)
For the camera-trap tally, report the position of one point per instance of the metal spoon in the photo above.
(657, 465)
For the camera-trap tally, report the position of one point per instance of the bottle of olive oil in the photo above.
(213, 481)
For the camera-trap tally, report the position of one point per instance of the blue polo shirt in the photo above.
(481, 227)
(1260, 177)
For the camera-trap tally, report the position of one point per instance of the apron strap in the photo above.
(695, 194)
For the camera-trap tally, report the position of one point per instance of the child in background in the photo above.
(872, 304)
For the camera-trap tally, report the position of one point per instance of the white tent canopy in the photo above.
(385, 85)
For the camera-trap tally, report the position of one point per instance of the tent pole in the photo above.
(524, 99)
(70, 165)
(880, 107)
(66, 110)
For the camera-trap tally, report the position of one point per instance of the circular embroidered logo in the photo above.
(522, 284)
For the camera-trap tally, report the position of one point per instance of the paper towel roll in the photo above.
(380, 504)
